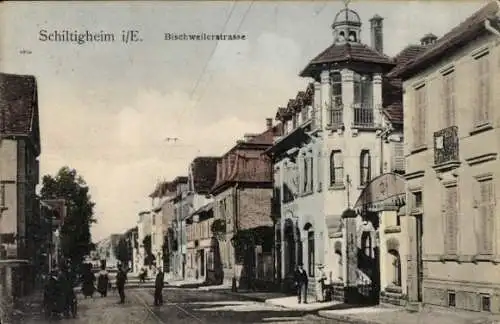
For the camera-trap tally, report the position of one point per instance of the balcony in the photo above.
(446, 149)
(336, 117)
(363, 116)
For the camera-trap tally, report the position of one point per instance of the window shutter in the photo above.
(320, 171)
(452, 108)
(451, 212)
(487, 216)
(487, 88)
(398, 159)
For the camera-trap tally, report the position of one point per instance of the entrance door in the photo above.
(420, 263)
(202, 263)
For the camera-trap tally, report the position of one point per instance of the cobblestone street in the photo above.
(181, 306)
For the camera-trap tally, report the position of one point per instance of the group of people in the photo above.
(103, 282)
(59, 295)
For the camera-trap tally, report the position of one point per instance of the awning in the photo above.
(203, 209)
(389, 188)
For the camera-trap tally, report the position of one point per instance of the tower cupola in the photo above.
(346, 26)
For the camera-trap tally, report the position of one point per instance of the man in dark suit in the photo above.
(159, 283)
(121, 279)
(301, 282)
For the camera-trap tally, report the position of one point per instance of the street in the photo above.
(180, 306)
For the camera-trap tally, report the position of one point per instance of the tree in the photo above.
(149, 257)
(75, 232)
(121, 250)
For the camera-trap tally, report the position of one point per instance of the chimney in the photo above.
(428, 39)
(269, 123)
(377, 35)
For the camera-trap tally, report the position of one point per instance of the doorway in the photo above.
(420, 263)
(202, 262)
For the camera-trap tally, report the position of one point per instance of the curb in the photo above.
(345, 318)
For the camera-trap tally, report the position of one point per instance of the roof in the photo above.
(461, 34)
(180, 179)
(204, 172)
(19, 106)
(347, 52)
(393, 87)
(162, 189)
(302, 99)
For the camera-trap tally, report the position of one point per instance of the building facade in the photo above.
(19, 175)
(452, 145)
(144, 228)
(343, 135)
(181, 203)
(201, 178)
(242, 210)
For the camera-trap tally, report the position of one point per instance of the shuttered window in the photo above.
(320, 171)
(419, 120)
(450, 212)
(483, 102)
(486, 207)
(449, 99)
(398, 158)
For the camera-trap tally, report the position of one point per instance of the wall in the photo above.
(478, 154)
(254, 208)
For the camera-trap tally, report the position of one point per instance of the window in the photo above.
(485, 303)
(419, 120)
(398, 158)
(486, 207)
(320, 171)
(363, 91)
(483, 104)
(449, 98)
(304, 112)
(154, 219)
(310, 253)
(451, 299)
(2, 194)
(311, 177)
(365, 167)
(335, 115)
(396, 268)
(294, 121)
(336, 168)
(306, 174)
(417, 199)
(450, 211)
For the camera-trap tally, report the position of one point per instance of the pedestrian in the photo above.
(103, 281)
(159, 284)
(88, 284)
(52, 294)
(301, 282)
(66, 287)
(142, 275)
(121, 278)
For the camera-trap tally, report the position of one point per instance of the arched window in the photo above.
(396, 268)
(336, 168)
(365, 167)
(338, 252)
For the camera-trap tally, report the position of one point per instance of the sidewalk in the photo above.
(383, 314)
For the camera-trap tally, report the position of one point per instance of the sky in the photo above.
(106, 109)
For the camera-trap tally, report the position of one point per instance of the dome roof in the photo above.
(347, 16)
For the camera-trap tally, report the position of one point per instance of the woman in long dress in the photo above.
(103, 281)
(88, 281)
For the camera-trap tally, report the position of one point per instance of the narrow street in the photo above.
(180, 306)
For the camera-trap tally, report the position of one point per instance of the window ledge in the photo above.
(450, 165)
(484, 258)
(392, 229)
(337, 186)
(417, 211)
(481, 127)
(361, 187)
(418, 149)
(449, 257)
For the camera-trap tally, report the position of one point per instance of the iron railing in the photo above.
(363, 115)
(336, 118)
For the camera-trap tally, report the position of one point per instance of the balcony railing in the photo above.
(336, 118)
(363, 116)
(446, 146)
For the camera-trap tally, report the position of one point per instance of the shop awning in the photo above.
(387, 189)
